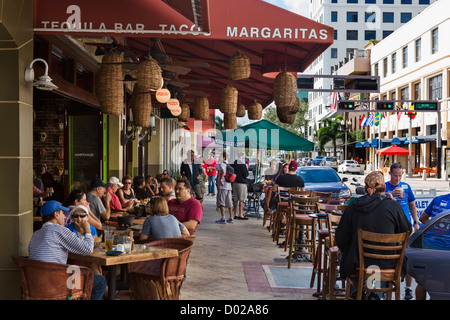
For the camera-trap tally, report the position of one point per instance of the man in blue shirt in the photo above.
(438, 205)
(402, 192)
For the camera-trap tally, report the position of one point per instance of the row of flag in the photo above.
(375, 119)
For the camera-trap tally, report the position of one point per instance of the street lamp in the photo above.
(345, 124)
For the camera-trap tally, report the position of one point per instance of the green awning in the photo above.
(266, 135)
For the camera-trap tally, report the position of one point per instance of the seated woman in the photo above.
(76, 198)
(161, 224)
(139, 188)
(126, 193)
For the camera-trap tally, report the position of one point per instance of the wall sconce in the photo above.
(44, 82)
(128, 130)
(146, 135)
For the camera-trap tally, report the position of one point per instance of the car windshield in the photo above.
(319, 175)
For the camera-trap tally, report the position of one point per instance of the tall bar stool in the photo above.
(282, 210)
(302, 237)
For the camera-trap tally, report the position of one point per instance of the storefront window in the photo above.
(435, 87)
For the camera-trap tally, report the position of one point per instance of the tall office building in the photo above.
(356, 22)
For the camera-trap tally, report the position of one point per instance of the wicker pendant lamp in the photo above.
(201, 108)
(228, 100)
(285, 89)
(141, 104)
(185, 113)
(229, 121)
(149, 75)
(109, 85)
(240, 111)
(239, 66)
(254, 111)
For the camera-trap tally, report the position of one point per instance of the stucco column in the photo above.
(16, 139)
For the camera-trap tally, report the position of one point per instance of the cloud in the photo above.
(300, 7)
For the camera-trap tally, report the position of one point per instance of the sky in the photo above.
(297, 6)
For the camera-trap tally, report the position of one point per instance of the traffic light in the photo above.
(385, 105)
(346, 105)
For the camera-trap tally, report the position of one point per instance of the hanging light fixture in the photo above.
(173, 103)
(176, 111)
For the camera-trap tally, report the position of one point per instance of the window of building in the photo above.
(388, 1)
(405, 56)
(418, 45)
(424, 1)
(386, 33)
(334, 1)
(352, 34)
(369, 17)
(435, 87)
(352, 1)
(375, 69)
(394, 62)
(406, 1)
(352, 16)
(404, 93)
(334, 16)
(434, 40)
(417, 91)
(385, 67)
(370, 34)
(388, 17)
(405, 17)
(334, 53)
(371, 1)
(335, 34)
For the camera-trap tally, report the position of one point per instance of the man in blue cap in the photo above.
(53, 242)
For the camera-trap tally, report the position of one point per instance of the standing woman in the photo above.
(126, 193)
(76, 198)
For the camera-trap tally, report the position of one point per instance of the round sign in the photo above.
(173, 103)
(162, 95)
(176, 111)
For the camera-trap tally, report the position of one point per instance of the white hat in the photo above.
(79, 207)
(114, 180)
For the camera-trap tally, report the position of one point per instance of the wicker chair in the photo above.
(161, 279)
(42, 280)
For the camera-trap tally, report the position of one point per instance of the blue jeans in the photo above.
(98, 287)
(211, 183)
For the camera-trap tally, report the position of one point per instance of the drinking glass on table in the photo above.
(109, 240)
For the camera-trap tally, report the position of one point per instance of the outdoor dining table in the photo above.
(100, 257)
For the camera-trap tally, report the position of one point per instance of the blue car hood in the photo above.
(325, 186)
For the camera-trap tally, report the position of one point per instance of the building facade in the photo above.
(355, 23)
(414, 64)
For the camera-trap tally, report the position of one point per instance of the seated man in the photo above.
(167, 188)
(375, 212)
(184, 207)
(94, 198)
(53, 242)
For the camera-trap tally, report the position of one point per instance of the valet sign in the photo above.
(144, 18)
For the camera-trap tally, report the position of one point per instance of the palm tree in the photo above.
(331, 131)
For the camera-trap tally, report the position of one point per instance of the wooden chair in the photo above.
(281, 212)
(161, 279)
(302, 237)
(379, 247)
(325, 197)
(322, 233)
(331, 263)
(267, 213)
(294, 193)
(40, 280)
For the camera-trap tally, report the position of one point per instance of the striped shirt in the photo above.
(52, 243)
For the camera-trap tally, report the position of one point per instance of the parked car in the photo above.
(325, 179)
(428, 256)
(252, 164)
(330, 162)
(349, 166)
(304, 161)
(317, 160)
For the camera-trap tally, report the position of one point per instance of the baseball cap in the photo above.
(51, 206)
(293, 165)
(98, 183)
(115, 180)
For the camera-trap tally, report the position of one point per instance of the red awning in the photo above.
(272, 38)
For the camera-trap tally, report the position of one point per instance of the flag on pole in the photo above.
(362, 122)
(399, 114)
(370, 120)
(377, 119)
(334, 98)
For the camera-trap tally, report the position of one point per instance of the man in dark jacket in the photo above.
(375, 212)
(239, 187)
(190, 170)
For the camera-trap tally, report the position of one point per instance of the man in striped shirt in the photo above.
(53, 242)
